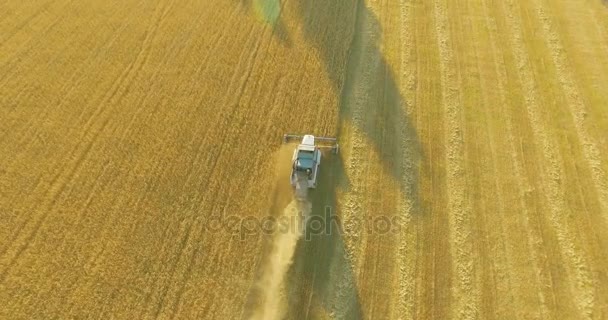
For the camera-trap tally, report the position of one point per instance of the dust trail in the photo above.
(291, 207)
(271, 285)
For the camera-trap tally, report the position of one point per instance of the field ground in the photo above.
(137, 136)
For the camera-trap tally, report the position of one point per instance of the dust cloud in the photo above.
(271, 285)
(270, 290)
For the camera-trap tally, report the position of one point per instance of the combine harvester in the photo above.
(306, 160)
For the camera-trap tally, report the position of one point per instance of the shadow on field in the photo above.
(369, 95)
(321, 281)
(347, 35)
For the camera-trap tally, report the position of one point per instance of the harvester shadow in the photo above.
(370, 101)
(321, 281)
(369, 95)
(322, 277)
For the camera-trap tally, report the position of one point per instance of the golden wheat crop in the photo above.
(140, 150)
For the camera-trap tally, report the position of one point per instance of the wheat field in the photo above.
(141, 150)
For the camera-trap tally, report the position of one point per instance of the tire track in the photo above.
(380, 257)
(163, 171)
(433, 254)
(535, 240)
(41, 117)
(211, 168)
(202, 132)
(219, 257)
(371, 243)
(61, 180)
(202, 69)
(127, 78)
(10, 105)
(374, 251)
(603, 40)
(577, 108)
(32, 124)
(586, 194)
(94, 262)
(108, 44)
(250, 64)
(353, 104)
(32, 41)
(407, 237)
(495, 254)
(577, 261)
(465, 292)
(27, 21)
(66, 90)
(358, 252)
(585, 28)
(13, 64)
(124, 81)
(352, 99)
(264, 71)
(173, 52)
(200, 236)
(7, 9)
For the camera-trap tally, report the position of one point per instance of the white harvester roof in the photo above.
(309, 140)
(308, 143)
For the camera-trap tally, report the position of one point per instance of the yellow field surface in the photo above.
(140, 157)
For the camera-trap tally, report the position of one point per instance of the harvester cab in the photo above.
(306, 158)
